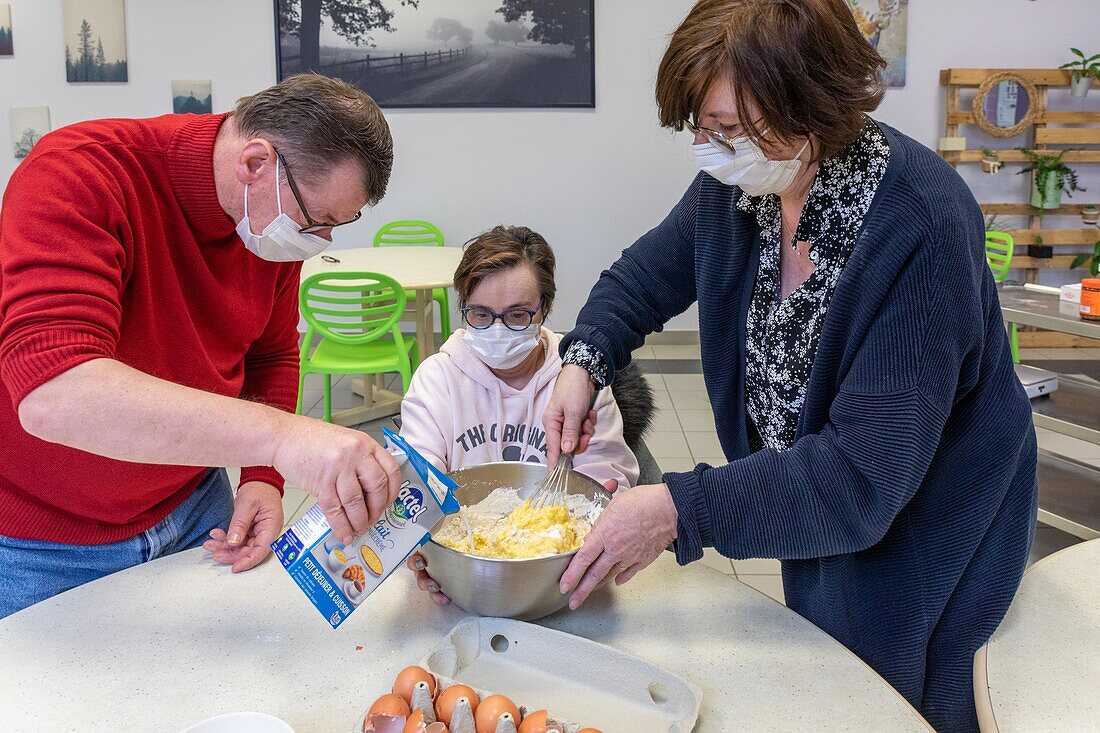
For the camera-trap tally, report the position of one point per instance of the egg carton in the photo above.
(573, 678)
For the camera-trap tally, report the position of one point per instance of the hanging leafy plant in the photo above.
(1045, 165)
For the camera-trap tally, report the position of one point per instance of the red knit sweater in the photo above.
(113, 245)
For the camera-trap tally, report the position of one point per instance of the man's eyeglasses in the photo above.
(514, 319)
(312, 225)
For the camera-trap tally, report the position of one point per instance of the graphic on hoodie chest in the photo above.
(513, 437)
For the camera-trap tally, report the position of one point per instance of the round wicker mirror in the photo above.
(1005, 105)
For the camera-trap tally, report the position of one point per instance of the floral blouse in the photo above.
(782, 335)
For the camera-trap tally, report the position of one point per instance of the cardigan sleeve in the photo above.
(840, 489)
(653, 281)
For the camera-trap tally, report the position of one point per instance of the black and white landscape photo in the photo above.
(95, 40)
(192, 96)
(28, 125)
(446, 53)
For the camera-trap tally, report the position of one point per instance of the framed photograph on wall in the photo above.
(192, 96)
(28, 125)
(7, 47)
(95, 40)
(442, 53)
(884, 24)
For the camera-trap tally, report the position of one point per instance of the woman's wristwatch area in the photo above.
(590, 359)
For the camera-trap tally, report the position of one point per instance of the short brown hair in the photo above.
(318, 122)
(502, 248)
(803, 62)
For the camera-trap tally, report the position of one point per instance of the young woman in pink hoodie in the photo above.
(481, 398)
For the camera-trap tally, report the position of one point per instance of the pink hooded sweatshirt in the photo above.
(458, 414)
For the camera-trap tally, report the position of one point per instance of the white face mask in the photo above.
(500, 347)
(282, 240)
(748, 168)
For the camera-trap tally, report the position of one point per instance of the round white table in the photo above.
(1041, 668)
(163, 645)
(420, 269)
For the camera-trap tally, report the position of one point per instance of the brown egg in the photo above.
(534, 723)
(445, 703)
(407, 680)
(393, 705)
(490, 710)
(414, 723)
(590, 730)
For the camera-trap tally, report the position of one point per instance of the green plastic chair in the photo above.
(357, 316)
(418, 233)
(998, 254)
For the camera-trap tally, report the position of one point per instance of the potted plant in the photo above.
(1092, 259)
(1050, 178)
(1090, 214)
(1082, 71)
(991, 162)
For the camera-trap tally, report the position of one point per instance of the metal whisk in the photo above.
(551, 490)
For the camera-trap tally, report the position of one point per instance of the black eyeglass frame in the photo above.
(500, 316)
(312, 225)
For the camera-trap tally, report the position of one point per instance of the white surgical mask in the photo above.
(282, 240)
(748, 168)
(500, 347)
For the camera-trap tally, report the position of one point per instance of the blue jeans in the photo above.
(34, 570)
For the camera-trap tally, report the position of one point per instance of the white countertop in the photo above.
(169, 643)
(1043, 661)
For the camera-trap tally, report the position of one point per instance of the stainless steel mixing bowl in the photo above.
(519, 589)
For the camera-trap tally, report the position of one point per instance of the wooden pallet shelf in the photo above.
(1029, 210)
(1075, 131)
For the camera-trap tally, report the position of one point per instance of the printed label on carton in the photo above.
(337, 577)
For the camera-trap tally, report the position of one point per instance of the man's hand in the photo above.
(352, 476)
(635, 528)
(569, 423)
(257, 521)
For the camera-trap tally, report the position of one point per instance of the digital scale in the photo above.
(1037, 382)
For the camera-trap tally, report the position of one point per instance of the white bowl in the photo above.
(240, 723)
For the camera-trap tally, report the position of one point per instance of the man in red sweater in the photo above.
(148, 331)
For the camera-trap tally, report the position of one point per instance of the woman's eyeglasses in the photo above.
(514, 319)
(714, 136)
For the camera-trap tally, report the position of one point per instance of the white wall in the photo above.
(590, 180)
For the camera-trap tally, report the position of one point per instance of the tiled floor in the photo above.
(684, 435)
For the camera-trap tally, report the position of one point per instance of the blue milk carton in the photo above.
(337, 577)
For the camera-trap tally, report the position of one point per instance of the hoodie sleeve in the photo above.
(608, 456)
(426, 414)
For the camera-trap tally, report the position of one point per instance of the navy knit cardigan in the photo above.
(905, 510)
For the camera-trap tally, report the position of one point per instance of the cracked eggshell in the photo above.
(380, 723)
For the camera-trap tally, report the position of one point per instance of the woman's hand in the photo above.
(635, 528)
(419, 565)
(568, 422)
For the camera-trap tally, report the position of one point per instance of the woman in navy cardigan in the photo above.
(879, 443)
